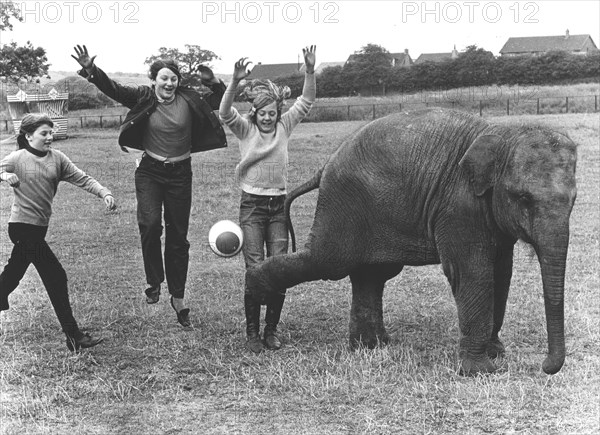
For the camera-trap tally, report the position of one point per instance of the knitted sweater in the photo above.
(263, 167)
(39, 177)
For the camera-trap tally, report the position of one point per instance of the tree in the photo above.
(26, 61)
(8, 11)
(330, 83)
(188, 61)
(474, 67)
(370, 67)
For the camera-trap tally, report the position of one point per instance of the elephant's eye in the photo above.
(523, 198)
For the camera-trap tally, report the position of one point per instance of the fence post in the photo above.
(595, 103)
(81, 121)
(508, 106)
(348, 112)
(100, 121)
(538, 107)
(373, 111)
(567, 101)
(480, 108)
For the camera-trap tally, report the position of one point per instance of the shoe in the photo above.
(152, 295)
(82, 342)
(271, 340)
(254, 344)
(183, 316)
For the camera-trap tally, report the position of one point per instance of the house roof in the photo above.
(324, 65)
(433, 57)
(545, 43)
(273, 70)
(400, 56)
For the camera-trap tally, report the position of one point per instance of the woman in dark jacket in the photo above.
(168, 122)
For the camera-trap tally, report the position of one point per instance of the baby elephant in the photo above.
(439, 186)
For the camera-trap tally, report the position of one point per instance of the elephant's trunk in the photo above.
(553, 259)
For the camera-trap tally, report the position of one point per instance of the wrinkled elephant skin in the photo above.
(439, 186)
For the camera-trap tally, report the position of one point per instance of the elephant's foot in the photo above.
(369, 339)
(472, 365)
(495, 348)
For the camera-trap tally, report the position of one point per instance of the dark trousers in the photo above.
(30, 247)
(164, 187)
(262, 219)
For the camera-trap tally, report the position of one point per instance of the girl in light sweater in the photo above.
(34, 171)
(262, 175)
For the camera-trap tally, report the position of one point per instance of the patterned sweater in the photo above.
(263, 167)
(39, 177)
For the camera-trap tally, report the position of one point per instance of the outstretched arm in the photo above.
(240, 72)
(72, 174)
(301, 107)
(126, 95)
(309, 91)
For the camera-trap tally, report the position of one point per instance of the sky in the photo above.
(124, 33)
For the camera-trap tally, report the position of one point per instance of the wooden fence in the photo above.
(323, 112)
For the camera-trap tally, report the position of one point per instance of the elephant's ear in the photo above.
(480, 162)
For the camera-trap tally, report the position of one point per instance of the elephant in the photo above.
(438, 186)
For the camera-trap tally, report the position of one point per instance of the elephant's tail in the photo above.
(311, 184)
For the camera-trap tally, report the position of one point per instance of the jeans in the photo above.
(262, 219)
(167, 185)
(30, 247)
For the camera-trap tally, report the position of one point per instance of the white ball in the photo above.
(226, 238)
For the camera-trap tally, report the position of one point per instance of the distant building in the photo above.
(396, 59)
(401, 59)
(436, 57)
(538, 45)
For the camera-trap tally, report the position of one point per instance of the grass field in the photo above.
(150, 376)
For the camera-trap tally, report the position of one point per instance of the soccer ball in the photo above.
(225, 238)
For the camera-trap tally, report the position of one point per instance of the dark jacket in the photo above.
(207, 131)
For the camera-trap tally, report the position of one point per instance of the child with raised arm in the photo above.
(34, 171)
(262, 174)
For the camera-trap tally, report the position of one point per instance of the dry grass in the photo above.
(151, 376)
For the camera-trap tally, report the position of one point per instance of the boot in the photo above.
(79, 340)
(252, 309)
(272, 316)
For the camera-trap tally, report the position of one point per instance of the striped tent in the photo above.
(54, 104)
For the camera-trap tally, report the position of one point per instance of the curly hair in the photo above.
(164, 63)
(261, 93)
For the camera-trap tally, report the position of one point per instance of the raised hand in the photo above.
(310, 58)
(207, 77)
(240, 70)
(83, 58)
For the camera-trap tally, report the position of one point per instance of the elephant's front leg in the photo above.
(502, 276)
(366, 314)
(472, 281)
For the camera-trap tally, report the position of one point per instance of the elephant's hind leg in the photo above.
(366, 315)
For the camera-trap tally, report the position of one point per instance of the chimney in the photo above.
(406, 51)
(567, 34)
(454, 54)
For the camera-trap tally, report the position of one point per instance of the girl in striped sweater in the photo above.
(262, 175)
